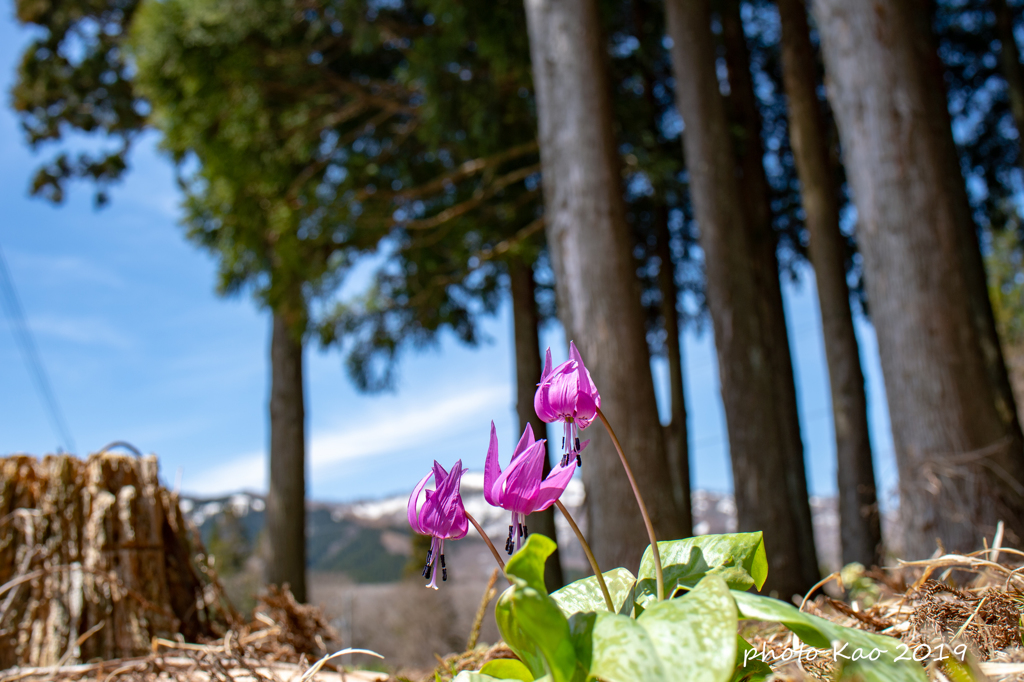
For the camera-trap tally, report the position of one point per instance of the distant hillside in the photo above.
(370, 541)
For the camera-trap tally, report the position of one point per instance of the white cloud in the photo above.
(427, 422)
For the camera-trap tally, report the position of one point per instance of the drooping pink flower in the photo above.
(442, 516)
(567, 394)
(521, 488)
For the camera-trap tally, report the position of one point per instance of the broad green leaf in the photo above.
(507, 669)
(528, 562)
(849, 647)
(481, 676)
(615, 648)
(692, 638)
(529, 620)
(695, 635)
(585, 594)
(738, 558)
(748, 667)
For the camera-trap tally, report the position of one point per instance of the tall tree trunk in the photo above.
(598, 292)
(959, 465)
(676, 435)
(859, 518)
(758, 441)
(526, 327)
(757, 212)
(1009, 57)
(286, 499)
(975, 276)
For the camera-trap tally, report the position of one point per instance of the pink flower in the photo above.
(441, 516)
(521, 488)
(567, 394)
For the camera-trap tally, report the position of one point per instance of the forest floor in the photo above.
(978, 620)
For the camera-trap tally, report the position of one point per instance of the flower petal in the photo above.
(520, 482)
(552, 487)
(461, 524)
(526, 441)
(492, 468)
(542, 403)
(414, 520)
(563, 396)
(547, 365)
(438, 513)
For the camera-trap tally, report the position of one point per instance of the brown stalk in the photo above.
(590, 555)
(659, 577)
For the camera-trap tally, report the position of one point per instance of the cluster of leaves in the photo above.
(76, 75)
(283, 109)
(469, 194)
(979, 104)
(570, 635)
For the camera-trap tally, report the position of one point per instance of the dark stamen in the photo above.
(563, 442)
(442, 561)
(579, 462)
(444, 574)
(577, 445)
(426, 571)
(526, 531)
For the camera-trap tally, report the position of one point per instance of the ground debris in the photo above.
(974, 600)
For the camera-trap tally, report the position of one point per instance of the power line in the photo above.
(23, 337)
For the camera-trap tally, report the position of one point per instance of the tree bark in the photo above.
(286, 498)
(97, 542)
(761, 445)
(526, 327)
(757, 212)
(1009, 57)
(958, 455)
(859, 518)
(676, 432)
(975, 276)
(598, 292)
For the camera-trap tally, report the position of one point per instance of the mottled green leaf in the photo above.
(849, 647)
(738, 558)
(692, 638)
(615, 648)
(695, 635)
(585, 594)
(507, 669)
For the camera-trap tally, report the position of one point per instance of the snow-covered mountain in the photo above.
(370, 540)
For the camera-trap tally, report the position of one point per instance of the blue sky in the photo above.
(138, 347)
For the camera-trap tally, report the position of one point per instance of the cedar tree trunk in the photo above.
(676, 441)
(526, 326)
(757, 213)
(859, 519)
(760, 446)
(598, 292)
(286, 499)
(959, 459)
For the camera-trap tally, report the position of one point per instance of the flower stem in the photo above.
(659, 577)
(589, 553)
(490, 545)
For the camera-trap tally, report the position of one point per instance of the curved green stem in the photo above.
(490, 545)
(590, 555)
(659, 577)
